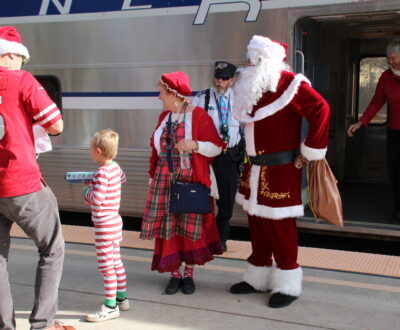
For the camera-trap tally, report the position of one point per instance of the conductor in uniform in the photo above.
(218, 102)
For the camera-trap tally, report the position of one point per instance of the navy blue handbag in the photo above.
(189, 197)
(186, 197)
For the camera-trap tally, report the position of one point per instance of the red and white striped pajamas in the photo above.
(104, 196)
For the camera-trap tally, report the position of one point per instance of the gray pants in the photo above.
(37, 215)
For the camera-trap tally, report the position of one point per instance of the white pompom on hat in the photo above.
(11, 42)
(260, 48)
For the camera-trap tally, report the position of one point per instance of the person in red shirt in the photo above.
(25, 199)
(388, 90)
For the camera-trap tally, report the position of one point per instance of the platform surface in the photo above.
(341, 290)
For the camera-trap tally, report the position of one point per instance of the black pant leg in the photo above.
(393, 165)
(226, 174)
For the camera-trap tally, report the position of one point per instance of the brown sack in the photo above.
(323, 193)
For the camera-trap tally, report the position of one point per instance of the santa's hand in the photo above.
(300, 161)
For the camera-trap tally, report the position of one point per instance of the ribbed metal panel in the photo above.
(135, 163)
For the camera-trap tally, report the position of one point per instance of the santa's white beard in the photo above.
(252, 83)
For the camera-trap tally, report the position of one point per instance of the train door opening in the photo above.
(343, 56)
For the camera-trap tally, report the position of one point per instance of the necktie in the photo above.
(224, 109)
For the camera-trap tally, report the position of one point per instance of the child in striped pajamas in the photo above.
(104, 195)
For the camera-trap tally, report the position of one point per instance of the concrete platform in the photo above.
(331, 299)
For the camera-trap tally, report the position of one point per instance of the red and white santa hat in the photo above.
(177, 82)
(11, 42)
(260, 48)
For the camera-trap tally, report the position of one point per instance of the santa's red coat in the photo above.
(274, 125)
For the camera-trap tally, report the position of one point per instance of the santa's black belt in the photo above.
(277, 158)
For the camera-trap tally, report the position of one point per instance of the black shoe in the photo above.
(173, 285)
(279, 300)
(242, 288)
(188, 286)
(223, 246)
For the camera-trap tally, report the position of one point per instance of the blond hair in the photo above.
(107, 141)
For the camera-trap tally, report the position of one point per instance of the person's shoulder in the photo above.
(162, 115)
(27, 79)
(19, 74)
(202, 92)
(285, 74)
(387, 74)
(25, 74)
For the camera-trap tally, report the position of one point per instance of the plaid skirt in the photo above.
(191, 238)
(158, 222)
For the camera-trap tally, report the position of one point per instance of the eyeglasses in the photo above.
(222, 77)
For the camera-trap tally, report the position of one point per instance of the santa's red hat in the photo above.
(177, 82)
(11, 42)
(260, 48)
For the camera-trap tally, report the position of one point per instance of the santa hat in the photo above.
(11, 42)
(177, 82)
(260, 48)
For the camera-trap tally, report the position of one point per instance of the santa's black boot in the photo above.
(286, 287)
(242, 288)
(279, 300)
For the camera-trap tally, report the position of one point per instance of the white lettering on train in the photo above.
(63, 9)
(128, 5)
(252, 14)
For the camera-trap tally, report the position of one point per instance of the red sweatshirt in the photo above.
(387, 90)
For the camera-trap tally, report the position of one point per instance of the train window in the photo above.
(370, 70)
(52, 85)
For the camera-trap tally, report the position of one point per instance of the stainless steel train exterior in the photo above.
(108, 57)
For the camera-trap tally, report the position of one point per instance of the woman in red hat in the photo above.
(189, 238)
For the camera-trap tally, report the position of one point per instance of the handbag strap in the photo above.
(168, 142)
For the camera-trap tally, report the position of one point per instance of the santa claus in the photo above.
(272, 101)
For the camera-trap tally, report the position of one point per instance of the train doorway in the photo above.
(343, 56)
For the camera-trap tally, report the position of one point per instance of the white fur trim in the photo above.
(287, 281)
(249, 134)
(207, 148)
(214, 187)
(278, 104)
(258, 277)
(7, 47)
(312, 153)
(274, 213)
(254, 208)
(263, 47)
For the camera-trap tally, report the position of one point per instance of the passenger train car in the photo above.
(102, 59)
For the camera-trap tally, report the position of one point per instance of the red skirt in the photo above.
(170, 254)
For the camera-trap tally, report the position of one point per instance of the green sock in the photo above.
(121, 295)
(110, 303)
